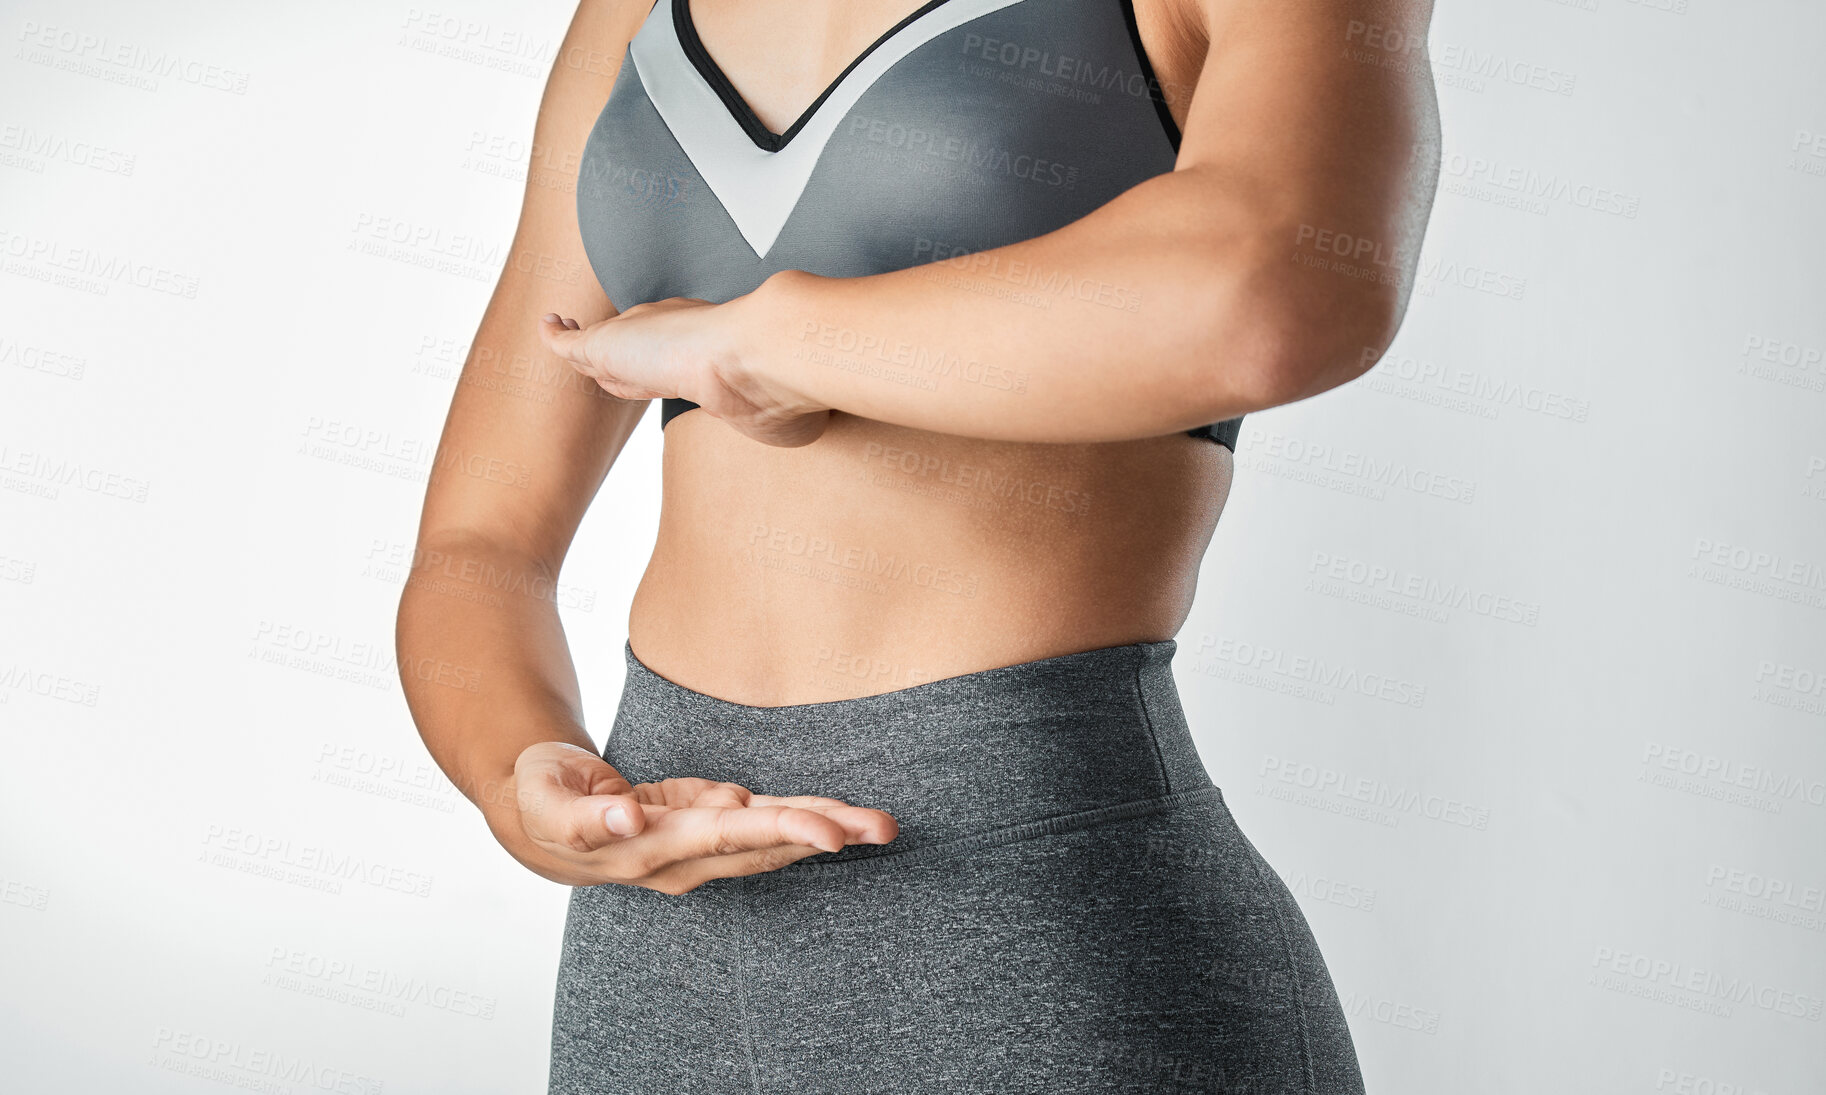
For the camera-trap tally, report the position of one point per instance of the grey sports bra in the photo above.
(969, 125)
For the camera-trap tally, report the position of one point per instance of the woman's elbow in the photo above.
(1317, 342)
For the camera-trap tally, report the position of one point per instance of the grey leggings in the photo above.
(1069, 907)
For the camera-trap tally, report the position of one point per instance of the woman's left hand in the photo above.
(686, 348)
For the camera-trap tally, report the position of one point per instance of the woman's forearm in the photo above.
(1175, 305)
(487, 672)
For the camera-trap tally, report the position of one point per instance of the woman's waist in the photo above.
(768, 609)
(809, 635)
(876, 533)
(1075, 735)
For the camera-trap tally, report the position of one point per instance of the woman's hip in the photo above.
(1070, 906)
(987, 756)
(1155, 952)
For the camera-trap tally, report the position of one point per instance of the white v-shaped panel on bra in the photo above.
(759, 188)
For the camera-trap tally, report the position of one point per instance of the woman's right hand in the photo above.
(676, 834)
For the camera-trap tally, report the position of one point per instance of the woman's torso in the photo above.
(879, 556)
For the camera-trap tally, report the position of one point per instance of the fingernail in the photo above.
(551, 317)
(616, 817)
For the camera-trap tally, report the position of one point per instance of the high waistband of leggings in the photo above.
(1015, 750)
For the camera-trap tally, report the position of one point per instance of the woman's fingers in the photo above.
(730, 843)
(598, 821)
(688, 875)
(563, 337)
(875, 828)
(680, 837)
(672, 348)
(863, 824)
(632, 374)
(682, 791)
(556, 815)
(803, 801)
(675, 834)
(569, 797)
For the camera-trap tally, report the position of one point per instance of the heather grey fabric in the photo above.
(975, 124)
(1070, 907)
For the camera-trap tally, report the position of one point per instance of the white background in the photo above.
(1511, 656)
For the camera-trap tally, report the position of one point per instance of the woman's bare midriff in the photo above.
(879, 557)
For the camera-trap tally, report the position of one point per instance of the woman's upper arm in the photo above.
(1322, 116)
(528, 439)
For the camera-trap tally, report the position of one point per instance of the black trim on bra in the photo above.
(766, 139)
(1224, 433)
(1147, 73)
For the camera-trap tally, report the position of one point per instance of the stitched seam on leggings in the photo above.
(1027, 830)
(744, 919)
(1293, 969)
(1147, 720)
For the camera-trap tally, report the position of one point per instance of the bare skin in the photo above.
(824, 537)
